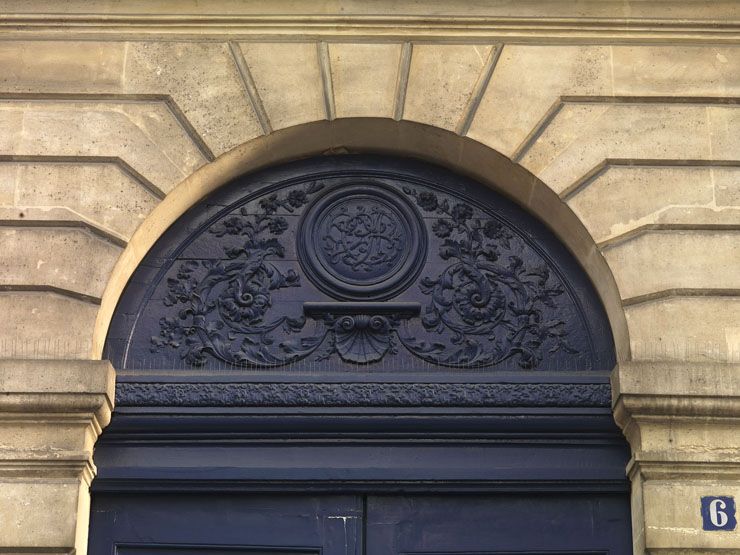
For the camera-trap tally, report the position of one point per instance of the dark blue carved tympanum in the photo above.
(344, 261)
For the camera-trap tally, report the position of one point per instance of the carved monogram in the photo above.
(362, 238)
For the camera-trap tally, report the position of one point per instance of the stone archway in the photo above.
(381, 136)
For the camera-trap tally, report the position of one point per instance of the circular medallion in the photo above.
(362, 241)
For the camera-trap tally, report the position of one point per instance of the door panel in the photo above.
(225, 525)
(203, 550)
(498, 525)
(239, 524)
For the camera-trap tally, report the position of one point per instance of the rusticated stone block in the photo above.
(51, 412)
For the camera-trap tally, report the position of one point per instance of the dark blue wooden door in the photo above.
(498, 525)
(198, 524)
(167, 524)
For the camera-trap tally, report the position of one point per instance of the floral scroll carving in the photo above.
(491, 304)
(225, 304)
(481, 304)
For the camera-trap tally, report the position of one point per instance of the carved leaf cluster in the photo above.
(487, 300)
(486, 306)
(225, 304)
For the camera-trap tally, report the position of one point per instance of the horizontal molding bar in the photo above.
(602, 167)
(648, 228)
(312, 394)
(447, 20)
(550, 22)
(67, 224)
(50, 289)
(313, 23)
(680, 292)
(624, 99)
(166, 99)
(71, 159)
(128, 485)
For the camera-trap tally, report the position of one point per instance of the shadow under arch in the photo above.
(373, 136)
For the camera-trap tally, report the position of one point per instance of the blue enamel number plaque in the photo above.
(718, 513)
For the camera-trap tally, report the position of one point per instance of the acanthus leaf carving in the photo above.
(226, 302)
(490, 305)
(486, 306)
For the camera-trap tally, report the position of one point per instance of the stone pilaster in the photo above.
(51, 413)
(682, 421)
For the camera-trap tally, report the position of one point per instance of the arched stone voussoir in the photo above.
(373, 136)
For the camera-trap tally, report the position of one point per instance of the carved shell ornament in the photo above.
(344, 270)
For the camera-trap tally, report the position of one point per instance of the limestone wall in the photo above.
(626, 112)
(639, 140)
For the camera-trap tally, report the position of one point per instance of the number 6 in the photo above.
(716, 513)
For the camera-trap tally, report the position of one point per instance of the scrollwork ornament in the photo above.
(487, 305)
(491, 305)
(260, 394)
(225, 304)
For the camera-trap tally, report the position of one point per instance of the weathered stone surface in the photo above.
(727, 186)
(676, 259)
(99, 193)
(288, 80)
(56, 66)
(11, 122)
(686, 328)
(681, 421)
(441, 81)
(724, 131)
(623, 198)
(68, 259)
(39, 325)
(582, 136)
(566, 128)
(7, 184)
(528, 80)
(201, 78)
(673, 516)
(675, 70)
(364, 78)
(40, 514)
(59, 407)
(145, 134)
